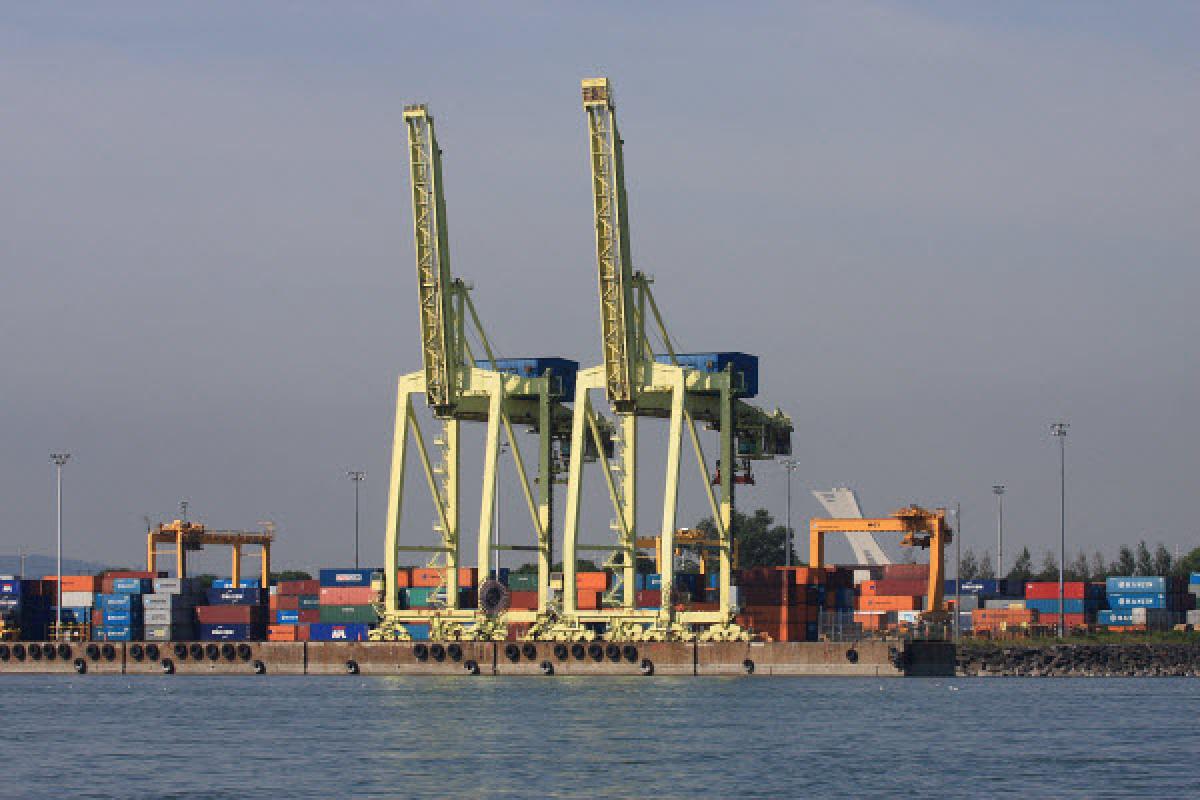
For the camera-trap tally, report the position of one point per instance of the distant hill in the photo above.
(38, 566)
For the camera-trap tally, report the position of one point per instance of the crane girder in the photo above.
(435, 286)
(619, 320)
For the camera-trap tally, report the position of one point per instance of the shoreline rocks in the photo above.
(1080, 660)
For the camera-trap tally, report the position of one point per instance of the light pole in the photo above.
(791, 465)
(356, 475)
(1059, 429)
(957, 512)
(998, 490)
(501, 449)
(59, 459)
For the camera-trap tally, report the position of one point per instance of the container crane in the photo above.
(460, 385)
(681, 388)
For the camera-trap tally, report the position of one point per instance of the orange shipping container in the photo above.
(468, 576)
(76, 583)
(595, 581)
(403, 578)
(281, 633)
(588, 599)
(888, 603)
(346, 596)
(523, 601)
(425, 578)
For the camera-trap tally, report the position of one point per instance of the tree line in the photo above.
(1136, 560)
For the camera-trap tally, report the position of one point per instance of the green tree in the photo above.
(985, 565)
(1098, 571)
(290, 575)
(968, 566)
(1162, 560)
(1145, 562)
(1189, 563)
(1049, 570)
(760, 542)
(1125, 564)
(1078, 569)
(1022, 568)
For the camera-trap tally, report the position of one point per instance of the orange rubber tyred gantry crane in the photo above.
(921, 528)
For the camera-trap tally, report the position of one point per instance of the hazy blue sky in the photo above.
(942, 226)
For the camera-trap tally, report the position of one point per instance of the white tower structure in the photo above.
(840, 502)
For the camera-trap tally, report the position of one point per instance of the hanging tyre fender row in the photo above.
(5, 653)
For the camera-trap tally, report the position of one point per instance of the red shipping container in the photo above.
(649, 598)
(299, 587)
(426, 578)
(907, 571)
(229, 615)
(888, 603)
(346, 596)
(596, 581)
(308, 615)
(285, 602)
(523, 601)
(588, 599)
(1048, 590)
(133, 574)
(893, 586)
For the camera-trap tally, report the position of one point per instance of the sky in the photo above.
(941, 226)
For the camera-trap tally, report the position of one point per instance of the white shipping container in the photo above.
(1193, 617)
(1153, 618)
(78, 599)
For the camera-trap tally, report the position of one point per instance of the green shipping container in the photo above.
(365, 614)
(419, 598)
(522, 581)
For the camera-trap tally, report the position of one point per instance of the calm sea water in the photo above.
(305, 737)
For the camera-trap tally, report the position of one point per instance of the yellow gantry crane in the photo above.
(681, 388)
(459, 387)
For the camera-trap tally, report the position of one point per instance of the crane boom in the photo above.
(620, 323)
(439, 341)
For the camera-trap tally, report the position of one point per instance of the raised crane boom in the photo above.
(619, 320)
(440, 344)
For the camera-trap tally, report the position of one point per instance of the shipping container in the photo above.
(231, 614)
(218, 597)
(308, 601)
(593, 581)
(129, 585)
(299, 587)
(744, 367)
(225, 632)
(886, 603)
(10, 586)
(243, 583)
(523, 600)
(1072, 590)
(352, 632)
(74, 583)
(168, 616)
(347, 596)
(345, 614)
(350, 576)
(893, 587)
(1151, 584)
(523, 581)
(1120, 601)
(1051, 606)
(79, 599)
(168, 601)
(426, 578)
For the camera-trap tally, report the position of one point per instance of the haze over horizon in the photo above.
(941, 226)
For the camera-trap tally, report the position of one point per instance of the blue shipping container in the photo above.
(1051, 606)
(562, 371)
(243, 583)
(745, 367)
(131, 585)
(347, 577)
(651, 581)
(419, 631)
(130, 617)
(10, 601)
(1120, 601)
(308, 601)
(981, 586)
(286, 617)
(118, 633)
(118, 602)
(235, 597)
(1131, 585)
(10, 586)
(340, 632)
(1114, 617)
(1194, 579)
(241, 633)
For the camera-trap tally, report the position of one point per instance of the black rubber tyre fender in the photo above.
(471, 667)
(244, 652)
(578, 651)
(35, 652)
(512, 652)
(228, 652)
(50, 652)
(630, 653)
(109, 652)
(196, 651)
(64, 651)
(748, 666)
(136, 652)
(351, 667)
(260, 668)
(180, 650)
(852, 656)
(18, 652)
(167, 666)
(613, 652)
(421, 652)
(529, 650)
(80, 666)
(646, 667)
(561, 652)
(547, 668)
(152, 653)
(212, 651)
(437, 652)
(455, 652)
(5, 655)
(93, 651)
(596, 651)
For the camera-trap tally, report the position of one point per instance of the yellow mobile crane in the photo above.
(681, 388)
(458, 388)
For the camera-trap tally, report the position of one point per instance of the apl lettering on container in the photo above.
(330, 632)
